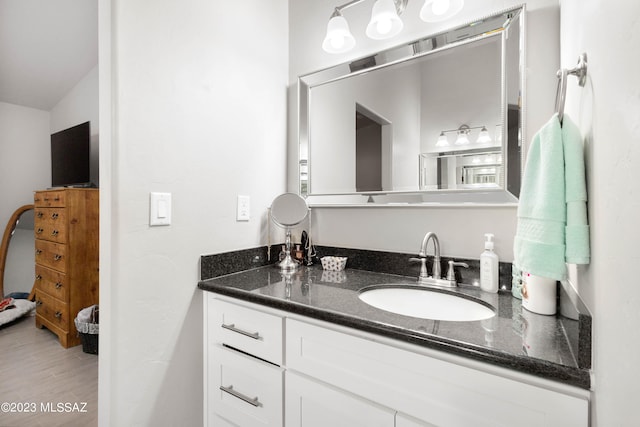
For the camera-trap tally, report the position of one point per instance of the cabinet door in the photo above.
(309, 403)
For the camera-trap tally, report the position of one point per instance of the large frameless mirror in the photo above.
(436, 120)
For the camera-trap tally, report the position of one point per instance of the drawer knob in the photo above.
(39, 303)
(38, 251)
(58, 315)
(55, 232)
(243, 397)
(39, 214)
(57, 198)
(39, 231)
(38, 277)
(54, 215)
(57, 257)
(58, 285)
(232, 327)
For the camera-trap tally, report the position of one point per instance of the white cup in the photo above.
(539, 294)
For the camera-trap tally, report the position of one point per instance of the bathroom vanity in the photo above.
(302, 349)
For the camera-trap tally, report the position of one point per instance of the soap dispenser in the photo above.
(489, 266)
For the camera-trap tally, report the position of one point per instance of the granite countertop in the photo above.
(514, 338)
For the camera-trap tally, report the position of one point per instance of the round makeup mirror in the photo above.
(288, 210)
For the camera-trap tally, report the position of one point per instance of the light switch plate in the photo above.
(160, 209)
(244, 208)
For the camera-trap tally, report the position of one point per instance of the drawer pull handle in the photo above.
(39, 214)
(232, 327)
(54, 215)
(57, 257)
(38, 303)
(58, 285)
(55, 232)
(58, 315)
(57, 198)
(232, 392)
(39, 231)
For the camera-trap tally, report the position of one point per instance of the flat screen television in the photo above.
(70, 157)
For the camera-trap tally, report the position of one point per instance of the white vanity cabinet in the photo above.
(328, 375)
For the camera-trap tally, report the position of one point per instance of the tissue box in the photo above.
(333, 263)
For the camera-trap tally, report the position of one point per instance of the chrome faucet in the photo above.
(436, 252)
(436, 276)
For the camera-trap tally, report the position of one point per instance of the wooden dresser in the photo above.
(66, 231)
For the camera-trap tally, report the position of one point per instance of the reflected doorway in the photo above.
(373, 145)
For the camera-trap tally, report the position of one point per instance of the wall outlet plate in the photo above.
(244, 208)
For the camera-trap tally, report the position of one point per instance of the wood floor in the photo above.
(59, 386)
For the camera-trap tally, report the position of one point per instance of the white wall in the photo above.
(401, 229)
(25, 156)
(198, 100)
(607, 111)
(80, 105)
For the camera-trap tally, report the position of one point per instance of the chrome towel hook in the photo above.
(579, 71)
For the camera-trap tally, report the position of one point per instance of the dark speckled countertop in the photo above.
(514, 338)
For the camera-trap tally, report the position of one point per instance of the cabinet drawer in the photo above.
(51, 224)
(52, 282)
(49, 198)
(244, 390)
(51, 254)
(53, 310)
(246, 329)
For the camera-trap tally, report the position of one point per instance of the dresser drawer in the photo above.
(52, 282)
(252, 331)
(246, 391)
(51, 224)
(49, 198)
(53, 310)
(52, 255)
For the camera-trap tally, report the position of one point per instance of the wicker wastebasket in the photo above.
(88, 328)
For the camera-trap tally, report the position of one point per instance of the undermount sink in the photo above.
(425, 303)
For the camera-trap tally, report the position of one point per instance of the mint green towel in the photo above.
(552, 212)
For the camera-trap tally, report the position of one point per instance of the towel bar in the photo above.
(579, 71)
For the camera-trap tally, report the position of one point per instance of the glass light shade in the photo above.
(442, 140)
(440, 10)
(462, 139)
(338, 39)
(385, 22)
(483, 137)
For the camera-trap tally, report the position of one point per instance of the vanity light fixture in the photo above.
(385, 21)
(484, 137)
(442, 140)
(463, 136)
(339, 39)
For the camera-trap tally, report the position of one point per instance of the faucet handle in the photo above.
(423, 266)
(451, 272)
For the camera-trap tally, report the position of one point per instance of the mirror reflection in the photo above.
(440, 115)
(17, 253)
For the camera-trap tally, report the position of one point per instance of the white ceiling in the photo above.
(46, 48)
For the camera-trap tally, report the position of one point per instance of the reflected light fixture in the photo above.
(462, 138)
(385, 21)
(440, 10)
(338, 39)
(442, 140)
(483, 137)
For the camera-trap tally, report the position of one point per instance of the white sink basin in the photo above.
(425, 303)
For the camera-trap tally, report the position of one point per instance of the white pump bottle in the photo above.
(489, 266)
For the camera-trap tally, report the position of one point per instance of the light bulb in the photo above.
(385, 22)
(384, 26)
(338, 39)
(440, 7)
